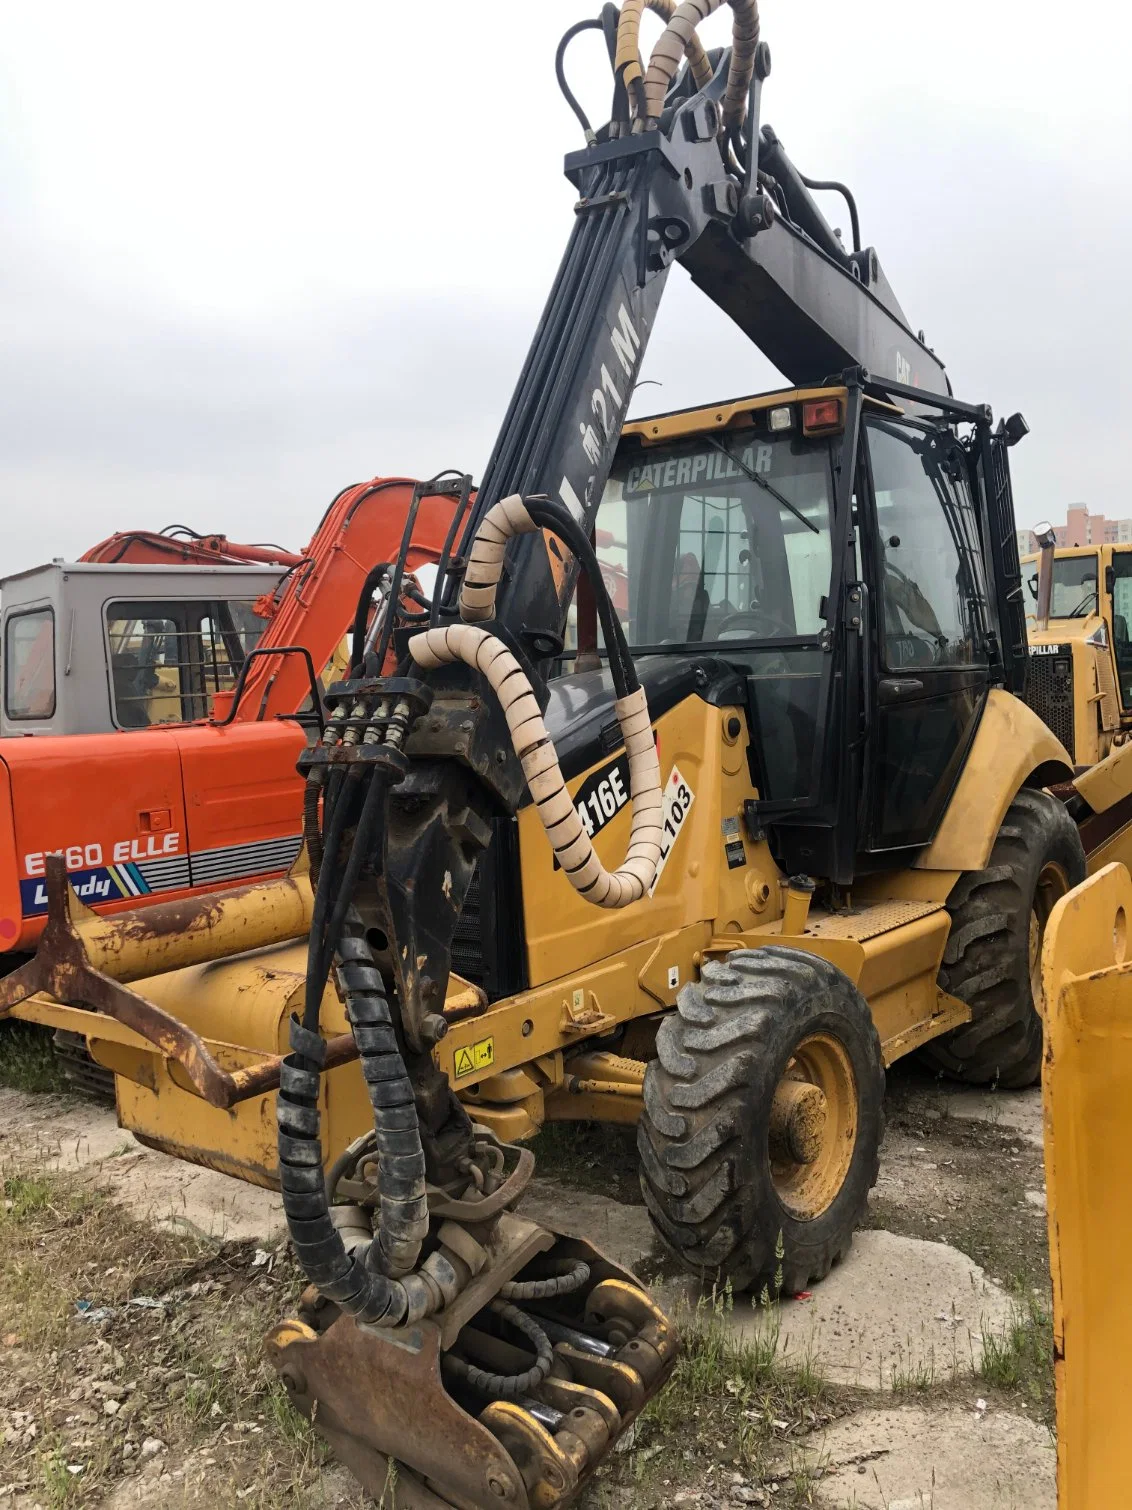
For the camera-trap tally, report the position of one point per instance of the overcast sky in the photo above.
(250, 253)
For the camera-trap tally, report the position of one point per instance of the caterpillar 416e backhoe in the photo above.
(795, 715)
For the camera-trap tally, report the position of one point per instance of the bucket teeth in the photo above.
(397, 1411)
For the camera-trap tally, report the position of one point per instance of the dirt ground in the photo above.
(135, 1291)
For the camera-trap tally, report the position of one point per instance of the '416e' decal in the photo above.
(602, 796)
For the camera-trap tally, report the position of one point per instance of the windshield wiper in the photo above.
(762, 482)
(1082, 608)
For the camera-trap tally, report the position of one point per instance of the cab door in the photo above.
(930, 627)
(1119, 585)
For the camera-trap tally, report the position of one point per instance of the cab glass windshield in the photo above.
(1074, 593)
(718, 539)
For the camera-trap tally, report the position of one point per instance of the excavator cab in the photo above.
(91, 648)
(1078, 624)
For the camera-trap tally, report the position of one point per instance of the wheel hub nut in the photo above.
(797, 1121)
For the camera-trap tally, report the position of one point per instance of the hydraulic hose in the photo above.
(678, 35)
(570, 1279)
(487, 654)
(375, 1284)
(507, 1386)
(627, 62)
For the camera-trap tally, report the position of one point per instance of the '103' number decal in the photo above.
(678, 799)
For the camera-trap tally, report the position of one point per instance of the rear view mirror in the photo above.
(1016, 428)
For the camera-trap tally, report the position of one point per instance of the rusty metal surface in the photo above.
(376, 1395)
(61, 968)
(192, 930)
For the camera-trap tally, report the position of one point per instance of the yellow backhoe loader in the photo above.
(1078, 612)
(769, 651)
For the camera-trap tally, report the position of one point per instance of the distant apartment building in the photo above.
(1081, 528)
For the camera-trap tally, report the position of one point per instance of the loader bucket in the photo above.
(1087, 987)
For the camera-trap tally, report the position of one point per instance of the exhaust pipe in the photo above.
(1047, 541)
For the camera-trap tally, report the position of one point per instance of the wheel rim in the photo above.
(1052, 885)
(813, 1126)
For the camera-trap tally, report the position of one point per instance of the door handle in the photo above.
(891, 688)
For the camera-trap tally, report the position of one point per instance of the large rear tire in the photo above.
(763, 1117)
(993, 956)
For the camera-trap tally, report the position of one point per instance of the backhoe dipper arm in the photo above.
(414, 766)
(669, 191)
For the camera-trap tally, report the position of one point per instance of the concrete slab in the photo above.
(61, 1132)
(899, 1309)
(623, 1233)
(911, 1458)
(1014, 1111)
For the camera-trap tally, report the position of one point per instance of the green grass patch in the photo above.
(1019, 1356)
(733, 1404)
(27, 1058)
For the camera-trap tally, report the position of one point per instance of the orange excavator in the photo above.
(178, 545)
(182, 672)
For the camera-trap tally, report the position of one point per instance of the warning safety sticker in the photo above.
(476, 1056)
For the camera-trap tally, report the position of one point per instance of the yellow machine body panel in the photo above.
(706, 780)
(1012, 748)
(1087, 978)
(1080, 674)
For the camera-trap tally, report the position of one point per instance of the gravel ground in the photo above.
(135, 1291)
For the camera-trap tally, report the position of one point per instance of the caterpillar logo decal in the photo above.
(477, 1056)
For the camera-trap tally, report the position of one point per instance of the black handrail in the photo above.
(241, 683)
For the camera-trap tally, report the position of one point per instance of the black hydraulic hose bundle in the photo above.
(507, 1386)
(366, 1287)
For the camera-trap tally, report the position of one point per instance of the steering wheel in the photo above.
(754, 617)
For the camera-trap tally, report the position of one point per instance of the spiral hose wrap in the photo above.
(487, 654)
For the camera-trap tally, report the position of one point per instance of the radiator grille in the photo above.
(1049, 691)
(467, 945)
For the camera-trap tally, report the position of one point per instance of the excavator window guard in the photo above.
(29, 664)
(168, 659)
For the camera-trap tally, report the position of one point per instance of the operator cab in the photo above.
(90, 648)
(829, 549)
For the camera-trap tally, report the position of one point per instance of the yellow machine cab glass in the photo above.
(1074, 594)
(719, 538)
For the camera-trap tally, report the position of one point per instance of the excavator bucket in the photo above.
(422, 1414)
(544, 1352)
(1087, 987)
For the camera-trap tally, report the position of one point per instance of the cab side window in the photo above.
(29, 664)
(1122, 621)
(168, 659)
(933, 591)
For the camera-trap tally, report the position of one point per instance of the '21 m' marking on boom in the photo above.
(625, 344)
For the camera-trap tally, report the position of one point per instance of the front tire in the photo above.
(762, 1122)
(993, 956)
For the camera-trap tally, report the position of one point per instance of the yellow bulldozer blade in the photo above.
(1087, 1093)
